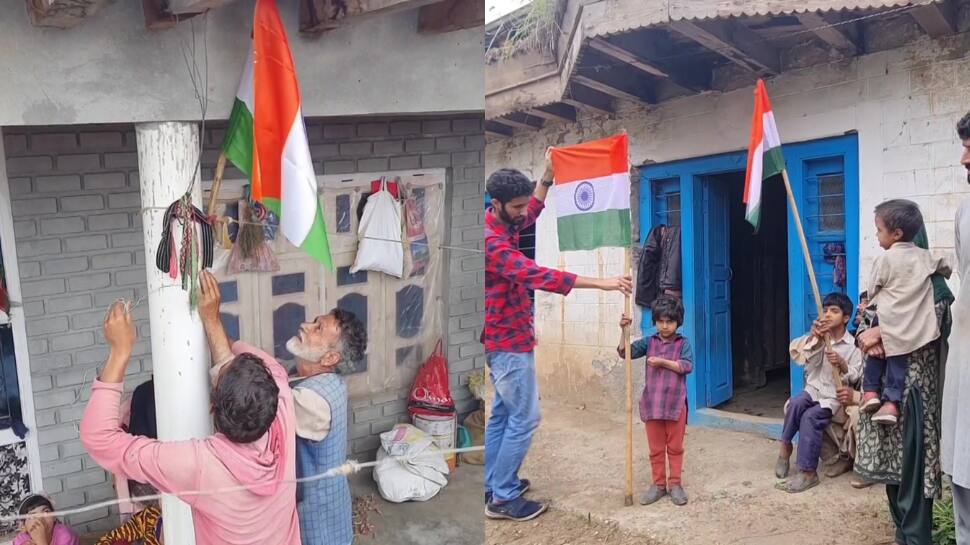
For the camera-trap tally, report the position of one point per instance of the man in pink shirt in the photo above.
(254, 443)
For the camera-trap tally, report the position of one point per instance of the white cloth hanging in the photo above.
(380, 247)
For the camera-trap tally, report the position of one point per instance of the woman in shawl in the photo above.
(906, 457)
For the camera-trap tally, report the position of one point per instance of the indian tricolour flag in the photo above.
(765, 158)
(593, 194)
(267, 140)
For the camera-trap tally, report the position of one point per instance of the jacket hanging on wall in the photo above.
(660, 267)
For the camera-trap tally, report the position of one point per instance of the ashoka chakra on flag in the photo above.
(593, 194)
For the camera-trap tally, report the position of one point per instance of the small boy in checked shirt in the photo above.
(663, 405)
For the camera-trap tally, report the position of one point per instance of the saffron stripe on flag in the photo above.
(591, 160)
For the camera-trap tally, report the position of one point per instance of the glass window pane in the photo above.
(343, 213)
(231, 323)
(673, 209)
(347, 278)
(410, 311)
(831, 194)
(286, 322)
(229, 291)
(288, 283)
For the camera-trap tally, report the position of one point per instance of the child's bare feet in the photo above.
(870, 403)
(887, 415)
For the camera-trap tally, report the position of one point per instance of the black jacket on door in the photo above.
(660, 265)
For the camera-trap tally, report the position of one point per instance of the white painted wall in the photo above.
(111, 69)
(904, 103)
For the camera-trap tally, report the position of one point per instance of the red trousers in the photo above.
(666, 439)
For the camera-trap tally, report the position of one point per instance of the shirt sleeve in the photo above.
(879, 277)
(854, 360)
(169, 466)
(510, 263)
(639, 348)
(313, 416)
(805, 350)
(532, 213)
(64, 535)
(126, 533)
(686, 360)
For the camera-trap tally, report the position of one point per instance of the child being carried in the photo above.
(901, 294)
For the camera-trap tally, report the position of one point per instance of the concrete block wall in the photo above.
(75, 202)
(79, 243)
(903, 103)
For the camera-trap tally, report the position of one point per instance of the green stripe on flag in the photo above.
(609, 228)
(316, 242)
(754, 217)
(774, 163)
(238, 143)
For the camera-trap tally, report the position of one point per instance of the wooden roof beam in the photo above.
(318, 16)
(832, 35)
(617, 87)
(451, 15)
(621, 54)
(61, 13)
(520, 121)
(183, 7)
(735, 42)
(555, 112)
(157, 16)
(497, 129)
(588, 99)
(938, 19)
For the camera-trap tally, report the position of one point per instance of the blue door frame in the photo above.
(807, 163)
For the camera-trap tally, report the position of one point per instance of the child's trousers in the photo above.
(666, 439)
(894, 368)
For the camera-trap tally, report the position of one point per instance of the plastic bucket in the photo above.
(443, 430)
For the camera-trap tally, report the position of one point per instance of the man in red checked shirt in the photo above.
(509, 336)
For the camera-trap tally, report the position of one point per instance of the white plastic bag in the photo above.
(409, 466)
(380, 246)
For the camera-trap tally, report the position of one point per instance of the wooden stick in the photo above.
(628, 500)
(216, 183)
(811, 268)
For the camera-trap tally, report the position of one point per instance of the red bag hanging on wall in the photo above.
(431, 392)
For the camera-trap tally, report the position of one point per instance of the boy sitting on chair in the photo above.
(827, 348)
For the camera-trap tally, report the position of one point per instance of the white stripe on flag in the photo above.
(757, 167)
(245, 91)
(596, 195)
(771, 139)
(299, 191)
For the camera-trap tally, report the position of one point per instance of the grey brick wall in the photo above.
(79, 243)
(74, 195)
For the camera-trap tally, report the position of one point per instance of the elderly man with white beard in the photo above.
(323, 347)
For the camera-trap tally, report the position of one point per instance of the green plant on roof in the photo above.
(536, 29)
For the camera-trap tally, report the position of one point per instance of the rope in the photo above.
(243, 222)
(347, 468)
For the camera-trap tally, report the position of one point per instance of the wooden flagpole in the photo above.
(808, 263)
(628, 303)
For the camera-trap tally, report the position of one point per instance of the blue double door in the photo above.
(702, 196)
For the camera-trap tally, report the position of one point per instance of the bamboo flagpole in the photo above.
(628, 309)
(765, 159)
(837, 375)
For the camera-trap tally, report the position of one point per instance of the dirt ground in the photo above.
(577, 463)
